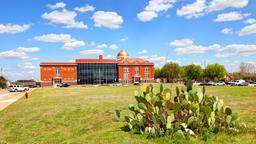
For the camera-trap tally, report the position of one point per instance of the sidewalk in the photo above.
(7, 98)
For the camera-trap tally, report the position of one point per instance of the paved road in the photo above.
(7, 98)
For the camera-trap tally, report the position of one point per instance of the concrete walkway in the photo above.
(7, 98)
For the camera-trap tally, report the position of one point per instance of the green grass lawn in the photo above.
(84, 115)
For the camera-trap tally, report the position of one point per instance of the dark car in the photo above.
(62, 85)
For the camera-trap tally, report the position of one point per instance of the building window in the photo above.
(57, 71)
(146, 70)
(136, 70)
(126, 76)
(126, 70)
(146, 76)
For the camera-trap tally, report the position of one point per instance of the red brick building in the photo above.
(52, 73)
(97, 71)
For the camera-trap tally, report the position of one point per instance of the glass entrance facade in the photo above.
(96, 73)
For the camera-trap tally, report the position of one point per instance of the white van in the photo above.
(17, 88)
(239, 82)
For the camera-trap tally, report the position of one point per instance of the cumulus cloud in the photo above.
(217, 5)
(231, 16)
(250, 21)
(113, 46)
(100, 46)
(143, 52)
(19, 53)
(91, 52)
(27, 65)
(107, 19)
(69, 43)
(195, 9)
(248, 30)
(222, 51)
(153, 8)
(181, 42)
(227, 31)
(64, 17)
(57, 5)
(13, 28)
(202, 7)
(85, 8)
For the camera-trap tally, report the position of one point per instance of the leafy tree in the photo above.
(193, 72)
(157, 73)
(214, 71)
(2, 82)
(171, 71)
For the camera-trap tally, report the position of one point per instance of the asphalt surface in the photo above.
(7, 98)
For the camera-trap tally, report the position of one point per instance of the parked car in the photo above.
(117, 84)
(243, 84)
(196, 83)
(220, 83)
(231, 83)
(136, 83)
(62, 85)
(206, 83)
(17, 88)
(239, 82)
(252, 84)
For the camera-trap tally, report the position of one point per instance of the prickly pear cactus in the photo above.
(188, 112)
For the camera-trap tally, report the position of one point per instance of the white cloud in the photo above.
(19, 53)
(248, 30)
(124, 39)
(113, 46)
(181, 42)
(13, 28)
(250, 21)
(64, 17)
(53, 38)
(195, 9)
(145, 16)
(107, 19)
(27, 65)
(69, 43)
(143, 52)
(195, 49)
(100, 46)
(85, 8)
(73, 44)
(231, 16)
(223, 51)
(57, 5)
(224, 55)
(217, 5)
(153, 8)
(110, 56)
(202, 7)
(91, 52)
(227, 31)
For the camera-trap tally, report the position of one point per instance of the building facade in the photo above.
(97, 71)
(52, 73)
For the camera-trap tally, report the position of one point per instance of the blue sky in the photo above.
(182, 31)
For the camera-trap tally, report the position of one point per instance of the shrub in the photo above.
(190, 113)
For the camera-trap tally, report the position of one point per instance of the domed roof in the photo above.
(122, 54)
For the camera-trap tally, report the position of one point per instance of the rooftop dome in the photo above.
(122, 54)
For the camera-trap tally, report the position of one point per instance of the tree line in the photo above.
(173, 72)
(2, 82)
